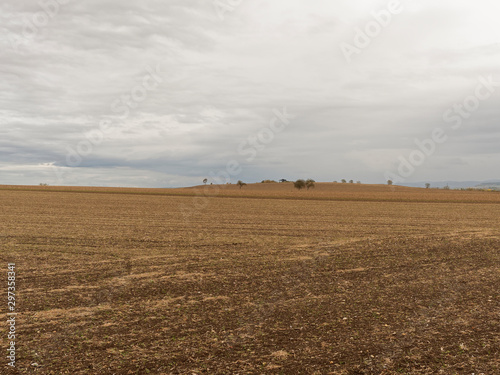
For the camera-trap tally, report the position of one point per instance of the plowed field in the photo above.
(340, 279)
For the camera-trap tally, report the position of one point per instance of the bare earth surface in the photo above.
(342, 279)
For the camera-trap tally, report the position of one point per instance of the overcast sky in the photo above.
(167, 92)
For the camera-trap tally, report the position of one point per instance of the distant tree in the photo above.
(446, 187)
(343, 181)
(241, 184)
(205, 181)
(335, 182)
(310, 183)
(389, 182)
(299, 184)
(427, 185)
(283, 180)
(351, 181)
(43, 184)
(358, 182)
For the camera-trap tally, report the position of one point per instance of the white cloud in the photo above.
(221, 79)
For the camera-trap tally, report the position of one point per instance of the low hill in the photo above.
(322, 191)
(489, 185)
(451, 184)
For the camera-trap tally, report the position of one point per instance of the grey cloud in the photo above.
(221, 80)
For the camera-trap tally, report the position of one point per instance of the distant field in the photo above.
(340, 279)
(322, 191)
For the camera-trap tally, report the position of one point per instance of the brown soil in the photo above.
(342, 279)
